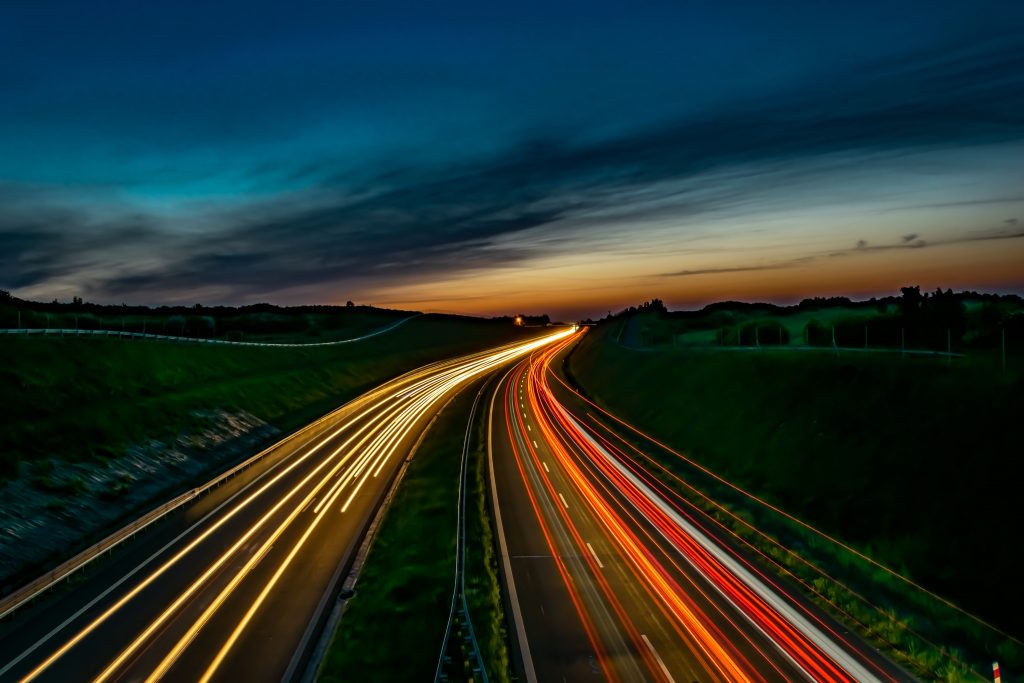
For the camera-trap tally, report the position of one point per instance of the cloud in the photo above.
(734, 269)
(862, 247)
(413, 223)
(913, 241)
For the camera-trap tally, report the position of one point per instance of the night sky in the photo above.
(565, 157)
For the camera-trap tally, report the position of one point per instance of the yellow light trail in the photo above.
(417, 390)
(390, 440)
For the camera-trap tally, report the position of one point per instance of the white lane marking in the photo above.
(535, 444)
(597, 559)
(545, 467)
(785, 609)
(664, 669)
(528, 428)
(563, 501)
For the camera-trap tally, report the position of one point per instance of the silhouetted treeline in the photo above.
(227, 322)
(921, 320)
(931, 320)
(528, 320)
(77, 305)
(192, 321)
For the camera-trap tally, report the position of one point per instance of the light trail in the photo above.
(377, 427)
(616, 497)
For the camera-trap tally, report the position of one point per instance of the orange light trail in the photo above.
(602, 476)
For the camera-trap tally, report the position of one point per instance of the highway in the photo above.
(614, 576)
(234, 585)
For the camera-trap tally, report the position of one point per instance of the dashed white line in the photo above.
(664, 669)
(545, 467)
(528, 428)
(563, 501)
(596, 558)
(535, 444)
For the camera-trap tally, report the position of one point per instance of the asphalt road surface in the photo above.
(612, 577)
(233, 585)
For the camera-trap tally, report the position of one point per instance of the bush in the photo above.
(769, 333)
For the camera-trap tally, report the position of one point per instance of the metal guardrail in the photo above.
(16, 599)
(194, 340)
(13, 601)
(310, 656)
(459, 611)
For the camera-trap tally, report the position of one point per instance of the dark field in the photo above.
(913, 461)
(76, 399)
(403, 594)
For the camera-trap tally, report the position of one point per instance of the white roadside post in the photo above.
(995, 673)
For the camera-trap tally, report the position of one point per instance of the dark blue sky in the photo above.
(465, 156)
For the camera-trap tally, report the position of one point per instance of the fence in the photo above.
(35, 332)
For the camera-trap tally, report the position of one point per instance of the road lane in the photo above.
(227, 587)
(613, 580)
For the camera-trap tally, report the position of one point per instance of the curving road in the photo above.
(613, 576)
(234, 585)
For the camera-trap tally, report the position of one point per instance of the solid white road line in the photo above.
(596, 558)
(786, 610)
(664, 669)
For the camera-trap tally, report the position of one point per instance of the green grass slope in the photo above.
(404, 592)
(80, 398)
(915, 462)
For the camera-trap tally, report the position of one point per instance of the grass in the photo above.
(404, 592)
(907, 460)
(81, 399)
(483, 586)
(252, 323)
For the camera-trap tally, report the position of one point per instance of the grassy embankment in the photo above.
(909, 460)
(80, 399)
(483, 586)
(404, 592)
(260, 322)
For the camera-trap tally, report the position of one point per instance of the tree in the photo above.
(349, 304)
(911, 296)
